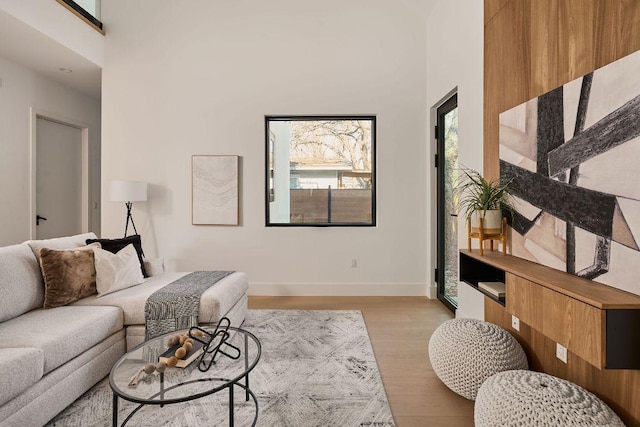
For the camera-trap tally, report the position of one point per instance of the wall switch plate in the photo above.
(354, 263)
(515, 323)
(561, 352)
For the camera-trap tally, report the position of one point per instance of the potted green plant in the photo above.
(482, 198)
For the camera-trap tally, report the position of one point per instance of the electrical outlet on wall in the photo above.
(515, 323)
(354, 262)
(561, 352)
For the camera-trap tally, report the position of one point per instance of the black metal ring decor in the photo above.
(214, 344)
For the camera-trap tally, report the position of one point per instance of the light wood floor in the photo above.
(399, 328)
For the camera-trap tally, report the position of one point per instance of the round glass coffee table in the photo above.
(178, 385)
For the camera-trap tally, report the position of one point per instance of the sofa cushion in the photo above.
(69, 275)
(237, 313)
(69, 242)
(21, 286)
(62, 333)
(116, 245)
(154, 266)
(116, 271)
(214, 302)
(21, 368)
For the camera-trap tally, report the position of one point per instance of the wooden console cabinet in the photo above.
(598, 323)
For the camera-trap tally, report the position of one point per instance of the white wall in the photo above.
(22, 90)
(455, 34)
(55, 21)
(179, 81)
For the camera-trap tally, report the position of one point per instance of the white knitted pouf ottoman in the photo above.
(527, 398)
(465, 352)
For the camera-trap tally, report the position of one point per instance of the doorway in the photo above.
(447, 202)
(59, 179)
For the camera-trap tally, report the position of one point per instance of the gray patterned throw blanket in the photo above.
(176, 306)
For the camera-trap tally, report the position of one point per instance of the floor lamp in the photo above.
(129, 192)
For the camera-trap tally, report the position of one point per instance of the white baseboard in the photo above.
(461, 315)
(464, 315)
(338, 289)
(432, 292)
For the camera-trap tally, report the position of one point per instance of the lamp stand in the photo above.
(129, 218)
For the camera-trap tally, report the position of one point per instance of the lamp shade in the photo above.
(128, 191)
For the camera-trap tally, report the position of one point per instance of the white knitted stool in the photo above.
(465, 352)
(527, 398)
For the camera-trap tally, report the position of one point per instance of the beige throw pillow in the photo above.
(69, 275)
(117, 271)
(154, 266)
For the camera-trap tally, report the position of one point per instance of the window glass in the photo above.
(320, 170)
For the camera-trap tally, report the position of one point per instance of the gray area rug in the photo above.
(317, 369)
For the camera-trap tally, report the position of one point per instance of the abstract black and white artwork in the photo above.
(573, 158)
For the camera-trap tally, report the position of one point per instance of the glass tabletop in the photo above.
(182, 384)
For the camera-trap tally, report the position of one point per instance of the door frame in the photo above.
(439, 207)
(35, 114)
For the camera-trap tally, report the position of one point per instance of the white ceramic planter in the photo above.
(491, 221)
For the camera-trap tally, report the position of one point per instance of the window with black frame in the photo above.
(320, 170)
(88, 10)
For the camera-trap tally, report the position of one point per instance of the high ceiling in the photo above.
(26, 46)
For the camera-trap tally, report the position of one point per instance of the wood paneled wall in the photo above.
(533, 46)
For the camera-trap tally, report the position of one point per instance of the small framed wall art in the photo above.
(214, 187)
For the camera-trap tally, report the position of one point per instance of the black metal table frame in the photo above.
(229, 383)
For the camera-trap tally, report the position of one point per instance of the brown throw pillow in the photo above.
(69, 275)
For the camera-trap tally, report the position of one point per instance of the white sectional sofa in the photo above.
(228, 298)
(49, 357)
